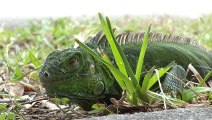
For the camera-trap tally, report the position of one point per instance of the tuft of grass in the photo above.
(189, 94)
(198, 90)
(209, 74)
(136, 94)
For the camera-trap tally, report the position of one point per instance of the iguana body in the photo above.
(74, 74)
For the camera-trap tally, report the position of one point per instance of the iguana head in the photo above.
(73, 73)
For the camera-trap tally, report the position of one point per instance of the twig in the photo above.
(196, 74)
(28, 102)
(2, 77)
(11, 101)
(160, 86)
(60, 108)
(74, 111)
(47, 110)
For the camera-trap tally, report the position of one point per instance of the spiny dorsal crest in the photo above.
(133, 37)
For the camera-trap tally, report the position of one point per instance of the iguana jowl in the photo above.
(75, 74)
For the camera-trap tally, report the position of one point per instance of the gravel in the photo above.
(195, 113)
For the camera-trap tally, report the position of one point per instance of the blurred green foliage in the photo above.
(30, 45)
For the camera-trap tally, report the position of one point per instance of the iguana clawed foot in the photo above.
(175, 80)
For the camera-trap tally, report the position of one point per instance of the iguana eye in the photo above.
(73, 61)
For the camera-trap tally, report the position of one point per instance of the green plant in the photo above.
(5, 114)
(136, 94)
(194, 92)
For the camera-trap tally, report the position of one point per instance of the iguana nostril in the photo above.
(46, 74)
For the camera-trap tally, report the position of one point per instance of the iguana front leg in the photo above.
(97, 89)
(173, 82)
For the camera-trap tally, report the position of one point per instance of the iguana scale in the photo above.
(75, 74)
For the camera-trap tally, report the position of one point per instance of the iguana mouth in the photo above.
(81, 87)
(48, 81)
(76, 97)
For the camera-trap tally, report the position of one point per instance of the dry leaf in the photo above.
(27, 106)
(210, 84)
(2, 87)
(16, 89)
(49, 105)
(196, 74)
(27, 87)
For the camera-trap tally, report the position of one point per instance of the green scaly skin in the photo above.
(74, 74)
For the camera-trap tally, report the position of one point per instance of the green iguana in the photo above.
(75, 74)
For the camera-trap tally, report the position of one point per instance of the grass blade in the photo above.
(161, 72)
(146, 80)
(188, 94)
(170, 101)
(34, 59)
(120, 58)
(124, 59)
(205, 79)
(142, 54)
(143, 90)
(115, 51)
(123, 81)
